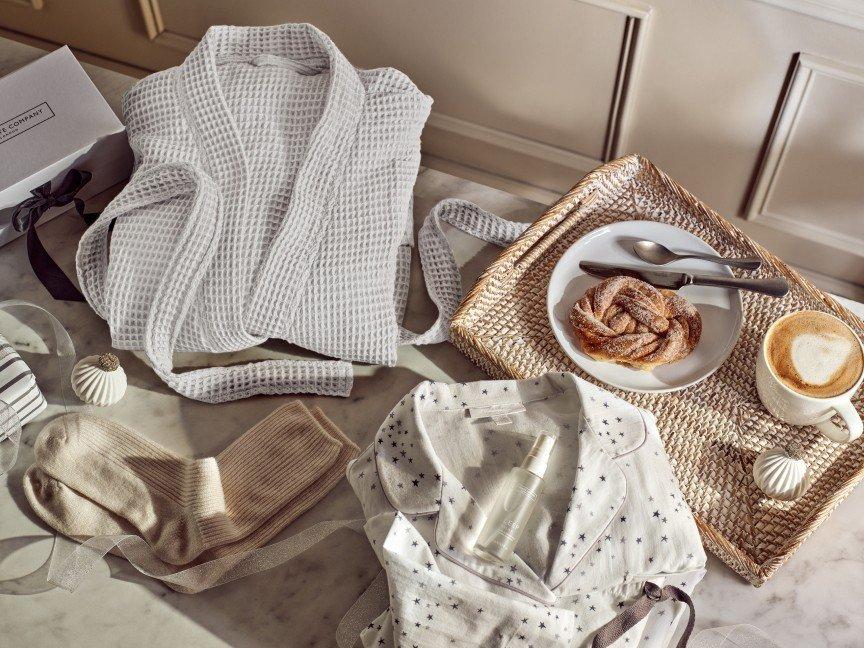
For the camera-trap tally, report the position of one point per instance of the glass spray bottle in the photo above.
(515, 503)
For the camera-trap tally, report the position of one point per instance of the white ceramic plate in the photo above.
(721, 308)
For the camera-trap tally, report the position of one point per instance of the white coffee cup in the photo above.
(798, 409)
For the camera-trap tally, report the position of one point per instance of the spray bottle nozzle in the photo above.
(538, 457)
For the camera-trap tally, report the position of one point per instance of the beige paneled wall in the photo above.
(113, 29)
(467, 56)
(524, 90)
(811, 176)
(713, 77)
(714, 91)
(531, 90)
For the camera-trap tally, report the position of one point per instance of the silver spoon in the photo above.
(661, 255)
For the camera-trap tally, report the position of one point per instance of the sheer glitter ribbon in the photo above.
(10, 433)
(64, 351)
(10, 425)
(70, 565)
(738, 636)
(70, 562)
(68, 571)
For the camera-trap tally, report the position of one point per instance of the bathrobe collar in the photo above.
(417, 483)
(307, 50)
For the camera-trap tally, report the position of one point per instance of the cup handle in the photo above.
(853, 423)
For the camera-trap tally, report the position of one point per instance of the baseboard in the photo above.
(542, 196)
(505, 155)
(834, 285)
(81, 55)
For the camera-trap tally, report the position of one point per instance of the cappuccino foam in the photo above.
(814, 354)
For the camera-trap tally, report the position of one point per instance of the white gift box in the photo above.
(52, 120)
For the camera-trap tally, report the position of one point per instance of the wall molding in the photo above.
(637, 15)
(849, 13)
(807, 66)
(833, 285)
(156, 32)
(33, 4)
(536, 163)
(541, 196)
(451, 138)
(515, 143)
(617, 127)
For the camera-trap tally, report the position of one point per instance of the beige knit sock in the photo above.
(302, 502)
(79, 518)
(185, 507)
(69, 512)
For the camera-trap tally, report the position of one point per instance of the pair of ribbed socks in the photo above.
(94, 477)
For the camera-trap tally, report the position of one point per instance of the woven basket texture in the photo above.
(712, 431)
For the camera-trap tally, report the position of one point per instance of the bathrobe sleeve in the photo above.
(155, 281)
(183, 202)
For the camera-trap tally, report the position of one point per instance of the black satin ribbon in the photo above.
(28, 213)
(651, 595)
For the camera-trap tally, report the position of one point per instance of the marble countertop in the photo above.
(814, 600)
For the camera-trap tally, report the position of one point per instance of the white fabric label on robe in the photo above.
(496, 411)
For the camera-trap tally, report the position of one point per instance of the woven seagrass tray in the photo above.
(712, 431)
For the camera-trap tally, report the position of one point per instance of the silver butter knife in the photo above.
(666, 279)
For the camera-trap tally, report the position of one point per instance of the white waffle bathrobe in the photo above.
(271, 199)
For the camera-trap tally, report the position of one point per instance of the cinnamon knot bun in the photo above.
(629, 321)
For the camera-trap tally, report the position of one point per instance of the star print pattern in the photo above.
(436, 465)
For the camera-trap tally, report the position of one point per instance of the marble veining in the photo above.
(814, 600)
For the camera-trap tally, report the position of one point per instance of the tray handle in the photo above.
(551, 236)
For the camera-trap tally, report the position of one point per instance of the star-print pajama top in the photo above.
(611, 517)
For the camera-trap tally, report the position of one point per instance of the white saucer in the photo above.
(721, 308)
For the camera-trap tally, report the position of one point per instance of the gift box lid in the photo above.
(49, 110)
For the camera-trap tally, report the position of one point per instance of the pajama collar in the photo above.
(417, 483)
